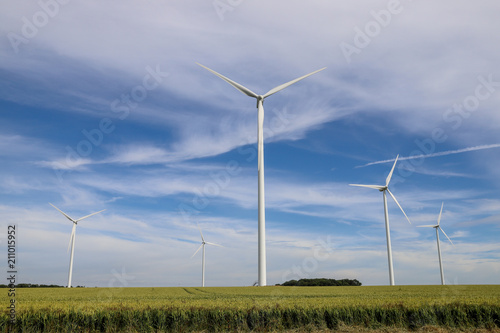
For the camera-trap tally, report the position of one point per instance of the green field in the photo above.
(254, 308)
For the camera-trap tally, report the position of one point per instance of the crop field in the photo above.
(253, 308)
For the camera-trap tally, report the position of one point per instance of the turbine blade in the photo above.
(238, 86)
(72, 237)
(395, 200)
(377, 187)
(201, 234)
(388, 179)
(197, 250)
(67, 216)
(283, 86)
(81, 218)
(427, 225)
(439, 218)
(214, 244)
(446, 236)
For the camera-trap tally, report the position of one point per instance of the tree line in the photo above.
(32, 285)
(321, 282)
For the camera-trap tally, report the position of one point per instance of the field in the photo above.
(254, 308)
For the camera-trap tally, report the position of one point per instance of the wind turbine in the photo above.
(203, 258)
(260, 166)
(383, 189)
(438, 227)
(72, 239)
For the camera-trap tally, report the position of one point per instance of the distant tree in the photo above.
(290, 283)
(321, 282)
(32, 285)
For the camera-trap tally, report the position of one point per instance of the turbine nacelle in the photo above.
(437, 226)
(260, 99)
(385, 187)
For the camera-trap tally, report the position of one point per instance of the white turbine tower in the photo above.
(203, 243)
(260, 167)
(383, 189)
(72, 239)
(438, 227)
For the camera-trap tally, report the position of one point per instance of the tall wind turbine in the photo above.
(72, 239)
(438, 227)
(383, 189)
(260, 167)
(203, 257)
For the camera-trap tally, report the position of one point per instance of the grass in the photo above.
(254, 308)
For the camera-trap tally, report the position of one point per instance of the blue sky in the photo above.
(102, 106)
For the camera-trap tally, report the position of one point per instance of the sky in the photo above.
(102, 106)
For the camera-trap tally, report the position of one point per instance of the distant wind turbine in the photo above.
(438, 227)
(72, 239)
(203, 258)
(383, 189)
(260, 139)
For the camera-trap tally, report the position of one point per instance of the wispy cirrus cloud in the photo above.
(443, 153)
